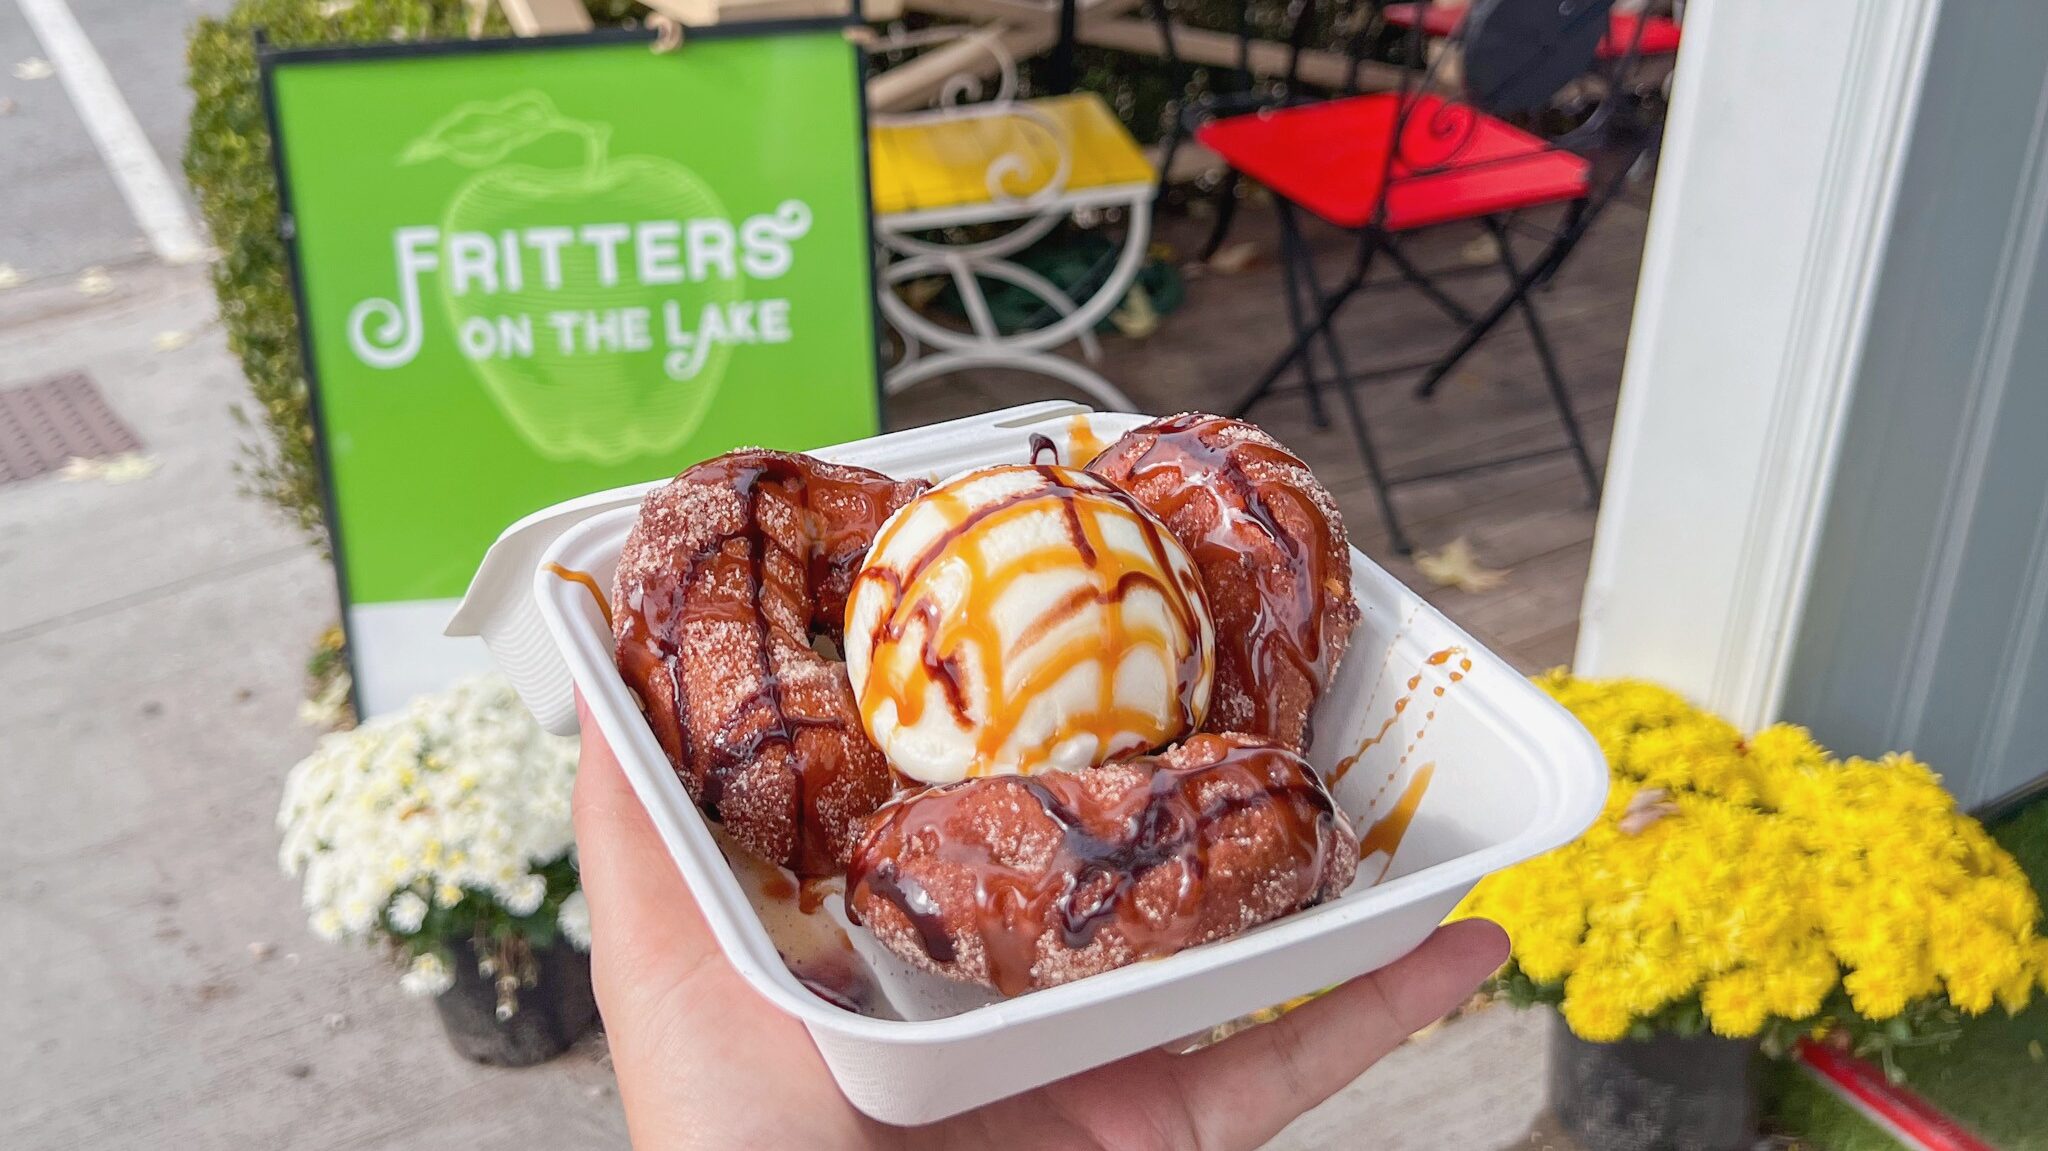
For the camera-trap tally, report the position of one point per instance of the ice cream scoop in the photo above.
(1021, 619)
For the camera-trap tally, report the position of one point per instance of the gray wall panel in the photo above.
(1924, 623)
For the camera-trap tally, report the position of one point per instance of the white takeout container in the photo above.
(1511, 775)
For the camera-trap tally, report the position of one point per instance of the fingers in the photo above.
(641, 911)
(1244, 1090)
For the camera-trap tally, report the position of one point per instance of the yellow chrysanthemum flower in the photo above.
(1756, 875)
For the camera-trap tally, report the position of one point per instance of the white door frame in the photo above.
(1782, 155)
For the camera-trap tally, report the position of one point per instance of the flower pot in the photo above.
(1663, 1094)
(552, 1012)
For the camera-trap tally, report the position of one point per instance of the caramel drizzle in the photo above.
(1286, 626)
(1389, 830)
(1100, 860)
(811, 892)
(660, 610)
(589, 583)
(1083, 445)
(949, 639)
(1436, 659)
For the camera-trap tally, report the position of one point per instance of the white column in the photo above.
(1785, 140)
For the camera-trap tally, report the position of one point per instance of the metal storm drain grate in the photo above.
(43, 425)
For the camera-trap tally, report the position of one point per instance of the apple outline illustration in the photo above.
(602, 407)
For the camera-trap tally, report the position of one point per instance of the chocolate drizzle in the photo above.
(1174, 815)
(960, 642)
(1192, 472)
(777, 572)
(909, 897)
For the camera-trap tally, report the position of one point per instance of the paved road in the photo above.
(60, 209)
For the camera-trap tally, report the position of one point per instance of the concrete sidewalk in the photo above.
(151, 641)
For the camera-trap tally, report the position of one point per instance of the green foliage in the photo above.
(227, 159)
(481, 918)
(1989, 1074)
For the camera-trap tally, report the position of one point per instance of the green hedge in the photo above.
(227, 159)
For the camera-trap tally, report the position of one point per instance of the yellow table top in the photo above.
(942, 163)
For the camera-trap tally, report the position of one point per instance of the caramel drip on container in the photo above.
(1083, 445)
(1436, 659)
(949, 636)
(589, 583)
(1387, 832)
(1101, 856)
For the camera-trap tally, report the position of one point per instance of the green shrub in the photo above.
(227, 159)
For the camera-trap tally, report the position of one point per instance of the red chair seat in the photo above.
(1660, 33)
(1660, 36)
(1331, 159)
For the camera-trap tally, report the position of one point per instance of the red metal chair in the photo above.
(1651, 35)
(1386, 165)
(1237, 89)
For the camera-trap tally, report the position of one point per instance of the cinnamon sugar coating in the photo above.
(727, 575)
(1026, 882)
(1274, 560)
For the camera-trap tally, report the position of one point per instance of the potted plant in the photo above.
(1736, 894)
(443, 833)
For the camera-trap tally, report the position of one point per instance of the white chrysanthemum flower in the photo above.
(575, 920)
(523, 896)
(408, 911)
(461, 796)
(428, 975)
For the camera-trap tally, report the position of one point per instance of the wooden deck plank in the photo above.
(1531, 519)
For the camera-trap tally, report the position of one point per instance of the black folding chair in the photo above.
(1236, 89)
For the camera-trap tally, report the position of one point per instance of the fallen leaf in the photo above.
(1235, 258)
(9, 277)
(1137, 318)
(94, 281)
(170, 340)
(1644, 809)
(262, 951)
(34, 68)
(918, 293)
(1456, 566)
(1481, 250)
(8, 106)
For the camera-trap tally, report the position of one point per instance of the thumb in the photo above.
(642, 915)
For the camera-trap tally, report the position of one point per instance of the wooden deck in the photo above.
(1533, 520)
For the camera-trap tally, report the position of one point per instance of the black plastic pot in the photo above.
(552, 1013)
(1661, 1094)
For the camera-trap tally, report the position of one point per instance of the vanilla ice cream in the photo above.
(1022, 619)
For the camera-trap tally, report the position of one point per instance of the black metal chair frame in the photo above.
(1244, 94)
(1312, 307)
